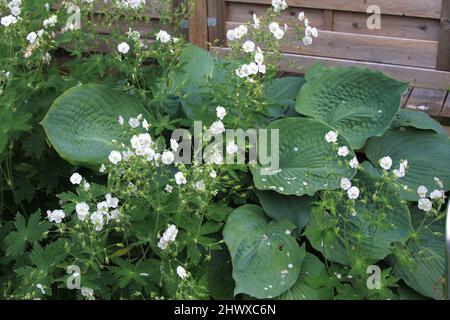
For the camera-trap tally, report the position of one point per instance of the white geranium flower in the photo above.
(98, 220)
(162, 244)
(111, 202)
(168, 188)
(171, 233)
(32, 37)
(259, 57)
(248, 46)
(115, 157)
(8, 20)
(213, 174)
(200, 185)
(102, 168)
(180, 178)
(145, 124)
(231, 35)
(134, 122)
(437, 194)
(354, 163)
(182, 272)
(279, 34)
(102, 207)
(301, 16)
(126, 155)
(56, 216)
(50, 22)
(87, 293)
(123, 47)
(262, 68)
(307, 40)
(174, 145)
(253, 68)
(163, 36)
(425, 204)
(86, 186)
(221, 112)
(314, 32)
(438, 182)
(232, 148)
(353, 193)
(422, 191)
(274, 26)
(279, 5)
(345, 184)
(331, 136)
(386, 162)
(167, 157)
(217, 127)
(82, 210)
(343, 151)
(240, 31)
(76, 178)
(256, 21)
(121, 120)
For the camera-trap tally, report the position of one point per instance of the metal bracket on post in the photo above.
(447, 253)
(185, 24)
(212, 22)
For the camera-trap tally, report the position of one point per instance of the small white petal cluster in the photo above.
(256, 21)
(15, 9)
(232, 148)
(163, 36)
(167, 157)
(354, 163)
(426, 204)
(143, 146)
(217, 127)
(237, 33)
(168, 236)
(8, 20)
(248, 46)
(50, 22)
(353, 193)
(130, 4)
(276, 31)
(279, 5)
(331, 137)
(346, 184)
(343, 151)
(82, 210)
(182, 273)
(56, 216)
(88, 293)
(174, 145)
(115, 157)
(401, 171)
(180, 178)
(106, 211)
(386, 163)
(76, 178)
(123, 48)
(221, 112)
(200, 185)
(422, 191)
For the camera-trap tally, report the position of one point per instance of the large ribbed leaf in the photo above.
(312, 268)
(428, 156)
(294, 208)
(307, 162)
(266, 257)
(422, 263)
(378, 223)
(359, 103)
(416, 119)
(82, 123)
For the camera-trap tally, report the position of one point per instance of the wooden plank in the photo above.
(444, 42)
(328, 18)
(213, 8)
(446, 109)
(427, 100)
(406, 96)
(391, 26)
(198, 28)
(409, 8)
(147, 29)
(421, 77)
(407, 52)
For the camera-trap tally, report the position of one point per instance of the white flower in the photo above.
(314, 32)
(179, 178)
(217, 127)
(162, 244)
(345, 184)
(200, 185)
(279, 5)
(231, 35)
(252, 68)
(145, 124)
(134, 35)
(31, 37)
(168, 188)
(437, 194)
(259, 57)
(82, 210)
(354, 163)
(248, 46)
(240, 31)
(123, 48)
(301, 16)
(40, 287)
(15, 11)
(111, 202)
(121, 120)
(47, 58)
(97, 220)
(76, 178)
(55, 216)
(386, 162)
(87, 292)
(438, 182)
(331, 136)
(279, 34)
(353, 193)
(256, 21)
(126, 155)
(86, 186)
(174, 145)
(213, 174)
(171, 233)
(262, 68)
(181, 272)
(399, 173)
(115, 157)
(307, 40)
(50, 22)
(115, 215)
(422, 191)
(343, 151)
(425, 204)
(163, 36)
(221, 112)
(167, 157)
(102, 168)
(273, 27)
(232, 148)
(102, 207)
(8, 20)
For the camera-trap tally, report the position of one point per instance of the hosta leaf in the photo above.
(417, 119)
(428, 156)
(422, 263)
(359, 103)
(303, 289)
(282, 93)
(293, 208)
(266, 258)
(370, 233)
(307, 162)
(196, 64)
(82, 123)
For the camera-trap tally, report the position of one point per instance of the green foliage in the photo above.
(82, 124)
(256, 243)
(417, 119)
(307, 162)
(359, 103)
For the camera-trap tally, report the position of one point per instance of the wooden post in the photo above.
(198, 25)
(328, 20)
(443, 62)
